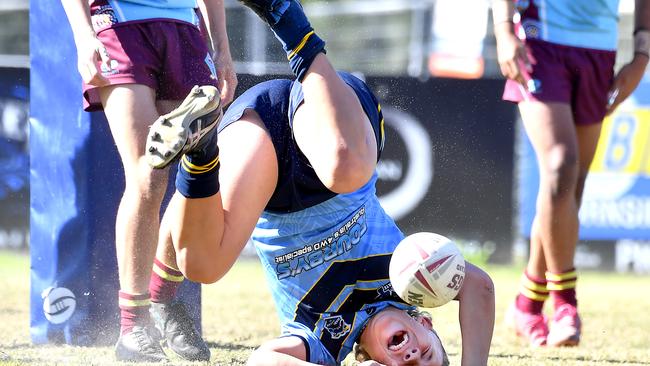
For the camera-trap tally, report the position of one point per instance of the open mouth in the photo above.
(398, 340)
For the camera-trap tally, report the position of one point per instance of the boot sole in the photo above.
(168, 135)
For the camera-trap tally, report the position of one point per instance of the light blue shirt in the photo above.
(131, 10)
(579, 23)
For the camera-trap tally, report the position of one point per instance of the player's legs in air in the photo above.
(331, 128)
(330, 110)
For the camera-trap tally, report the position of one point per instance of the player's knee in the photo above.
(147, 184)
(349, 171)
(198, 268)
(562, 171)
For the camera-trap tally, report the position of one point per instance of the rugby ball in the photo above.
(427, 270)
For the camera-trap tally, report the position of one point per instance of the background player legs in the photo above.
(130, 110)
(588, 136)
(553, 136)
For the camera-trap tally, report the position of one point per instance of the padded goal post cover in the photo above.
(76, 183)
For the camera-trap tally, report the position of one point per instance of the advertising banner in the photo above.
(14, 158)
(76, 184)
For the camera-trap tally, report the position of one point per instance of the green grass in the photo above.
(238, 315)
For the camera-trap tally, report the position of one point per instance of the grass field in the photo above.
(238, 315)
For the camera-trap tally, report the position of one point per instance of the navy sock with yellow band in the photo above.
(198, 178)
(292, 28)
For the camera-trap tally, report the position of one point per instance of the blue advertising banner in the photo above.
(14, 158)
(76, 184)
(616, 202)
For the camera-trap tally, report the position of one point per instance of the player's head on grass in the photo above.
(400, 337)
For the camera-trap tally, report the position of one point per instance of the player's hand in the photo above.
(370, 363)
(626, 81)
(511, 54)
(226, 77)
(92, 59)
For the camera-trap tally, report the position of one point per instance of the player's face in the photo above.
(394, 338)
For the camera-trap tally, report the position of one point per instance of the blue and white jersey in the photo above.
(137, 10)
(325, 255)
(327, 267)
(578, 23)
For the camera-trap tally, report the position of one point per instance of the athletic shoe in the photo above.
(565, 327)
(178, 331)
(139, 346)
(185, 129)
(529, 326)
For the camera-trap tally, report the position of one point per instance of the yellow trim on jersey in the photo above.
(295, 311)
(533, 295)
(134, 303)
(530, 285)
(561, 286)
(555, 277)
(300, 45)
(198, 169)
(168, 276)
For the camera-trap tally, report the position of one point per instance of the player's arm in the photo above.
(511, 53)
(476, 315)
(90, 51)
(285, 351)
(630, 75)
(214, 14)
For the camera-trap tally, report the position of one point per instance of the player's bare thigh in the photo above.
(248, 175)
(130, 109)
(551, 130)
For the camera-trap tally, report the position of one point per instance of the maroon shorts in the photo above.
(580, 77)
(168, 56)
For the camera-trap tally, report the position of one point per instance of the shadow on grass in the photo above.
(567, 358)
(229, 346)
(18, 346)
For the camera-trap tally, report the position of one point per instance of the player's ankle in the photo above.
(298, 38)
(198, 181)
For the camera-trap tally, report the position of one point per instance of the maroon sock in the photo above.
(164, 282)
(134, 310)
(563, 287)
(532, 294)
